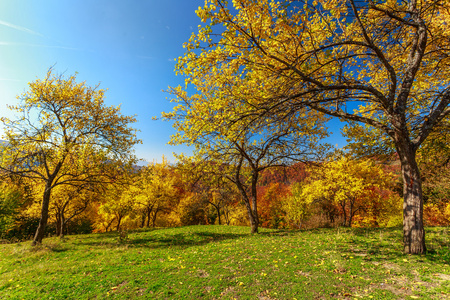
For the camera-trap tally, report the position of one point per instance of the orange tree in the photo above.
(64, 134)
(388, 58)
(272, 208)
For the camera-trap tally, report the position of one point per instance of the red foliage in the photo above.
(434, 215)
(270, 205)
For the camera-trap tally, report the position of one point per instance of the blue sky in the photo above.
(127, 46)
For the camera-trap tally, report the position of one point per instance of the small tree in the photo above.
(155, 191)
(208, 183)
(70, 202)
(298, 208)
(119, 206)
(64, 134)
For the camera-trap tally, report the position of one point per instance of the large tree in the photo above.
(64, 134)
(242, 148)
(384, 63)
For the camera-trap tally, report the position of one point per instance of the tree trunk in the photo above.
(254, 226)
(62, 228)
(143, 217)
(343, 204)
(255, 221)
(108, 226)
(251, 217)
(413, 231)
(226, 216)
(58, 223)
(218, 215)
(119, 219)
(149, 212)
(250, 211)
(154, 218)
(217, 208)
(143, 220)
(40, 232)
(63, 225)
(351, 213)
(249, 201)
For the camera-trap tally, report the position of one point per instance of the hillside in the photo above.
(225, 262)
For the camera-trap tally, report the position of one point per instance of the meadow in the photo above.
(226, 262)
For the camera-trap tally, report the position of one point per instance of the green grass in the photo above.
(225, 262)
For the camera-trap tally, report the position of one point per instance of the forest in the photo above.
(262, 81)
(339, 191)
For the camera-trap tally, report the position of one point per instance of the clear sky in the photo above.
(127, 46)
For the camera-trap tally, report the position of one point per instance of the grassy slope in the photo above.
(220, 262)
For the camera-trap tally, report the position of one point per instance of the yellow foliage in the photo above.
(274, 59)
(447, 211)
(65, 134)
(298, 207)
(359, 188)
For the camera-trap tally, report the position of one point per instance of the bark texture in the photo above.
(40, 232)
(413, 230)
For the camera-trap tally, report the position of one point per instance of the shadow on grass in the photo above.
(48, 247)
(155, 238)
(184, 240)
(387, 243)
(383, 244)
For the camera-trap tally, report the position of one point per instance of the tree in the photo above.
(298, 208)
(356, 187)
(119, 206)
(207, 182)
(222, 197)
(65, 135)
(71, 201)
(27, 217)
(155, 191)
(242, 149)
(433, 159)
(388, 57)
(272, 210)
(212, 120)
(192, 210)
(434, 163)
